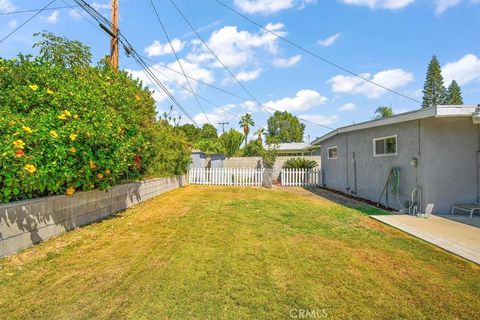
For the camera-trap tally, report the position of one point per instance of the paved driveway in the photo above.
(455, 237)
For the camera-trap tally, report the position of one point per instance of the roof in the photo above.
(442, 111)
(294, 146)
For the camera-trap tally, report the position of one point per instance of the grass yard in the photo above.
(238, 253)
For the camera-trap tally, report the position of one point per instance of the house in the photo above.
(297, 149)
(435, 152)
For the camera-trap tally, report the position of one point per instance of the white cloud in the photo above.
(442, 5)
(12, 23)
(74, 15)
(6, 6)
(380, 4)
(303, 100)
(320, 119)
(270, 6)
(169, 77)
(236, 48)
(53, 17)
(288, 62)
(348, 107)
(330, 40)
(157, 49)
(393, 79)
(249, 75)
(216, 115)
(101, 6)
(465, 70)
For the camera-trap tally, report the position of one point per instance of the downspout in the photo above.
(346, 160)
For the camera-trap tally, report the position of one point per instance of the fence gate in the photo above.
(300, 177)
(226, 176)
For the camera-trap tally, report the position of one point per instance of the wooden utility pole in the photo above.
(114, 40)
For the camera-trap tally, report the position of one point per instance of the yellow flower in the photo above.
(75, 117)
(34, 87)
(49, 91)
(73, 136)
(62, 116)
(73, 150)
(100, 176)
(27, 129)
(67, 113)
(13, 122)
(54, 134)
(70, 191)
(19, 144)
(92, 164)
(30, 168)
(107, 172)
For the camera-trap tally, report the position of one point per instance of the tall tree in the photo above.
(245, 122)
(434, 92)
(454, 93)
(208, 132)
(259, 134)
(284, 127)
(383, 112)
(230, 142)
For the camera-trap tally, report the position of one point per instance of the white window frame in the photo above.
(328, 153)
(386, 154)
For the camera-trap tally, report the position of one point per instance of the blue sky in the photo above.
(388, 41)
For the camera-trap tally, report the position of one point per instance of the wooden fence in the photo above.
(226, 176)
(300, 177)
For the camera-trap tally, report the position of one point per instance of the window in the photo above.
(385, 146)
(332, 152)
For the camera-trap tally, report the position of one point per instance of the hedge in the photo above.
(79, 128)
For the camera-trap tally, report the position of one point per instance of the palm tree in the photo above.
(383, 112)
(259, 134)
(245, 122)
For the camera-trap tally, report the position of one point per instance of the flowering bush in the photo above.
(78, 128)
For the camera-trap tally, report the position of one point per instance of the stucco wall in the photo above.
(256, 162)
(25, 223)
(444, 176)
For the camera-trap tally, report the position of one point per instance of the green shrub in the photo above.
(73, 128)
(300, 163)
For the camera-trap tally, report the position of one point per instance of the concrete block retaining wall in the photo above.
(24, 223)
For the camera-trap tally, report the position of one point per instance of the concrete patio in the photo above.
(456, 237)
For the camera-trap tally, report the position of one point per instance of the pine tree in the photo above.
(454, 93)
(434, 92)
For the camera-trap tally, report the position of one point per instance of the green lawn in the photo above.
(238, 253)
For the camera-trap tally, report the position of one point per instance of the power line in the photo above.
(314, 54)
(35, 10)
(27, 21)
(104, 24)
(230, 72)
(216, 57)
(178, 59)
(226, 91)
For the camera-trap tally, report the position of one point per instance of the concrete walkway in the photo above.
(455, 237)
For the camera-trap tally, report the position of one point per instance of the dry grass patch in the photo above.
(237, 253)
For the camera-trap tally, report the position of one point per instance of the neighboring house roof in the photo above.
(443, 111)
(293, 146)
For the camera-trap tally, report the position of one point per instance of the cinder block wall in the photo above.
(256, 162)
(24, 223)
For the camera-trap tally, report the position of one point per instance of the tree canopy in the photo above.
(284, 127)
(383, 112)
(245, 122)
(434, 92)
(454, 93)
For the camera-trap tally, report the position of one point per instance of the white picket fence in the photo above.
(300, 177)
(226, 176)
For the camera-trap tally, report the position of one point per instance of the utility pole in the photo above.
(223, 126)
(114, 39)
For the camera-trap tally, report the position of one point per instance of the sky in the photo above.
(389, 42)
